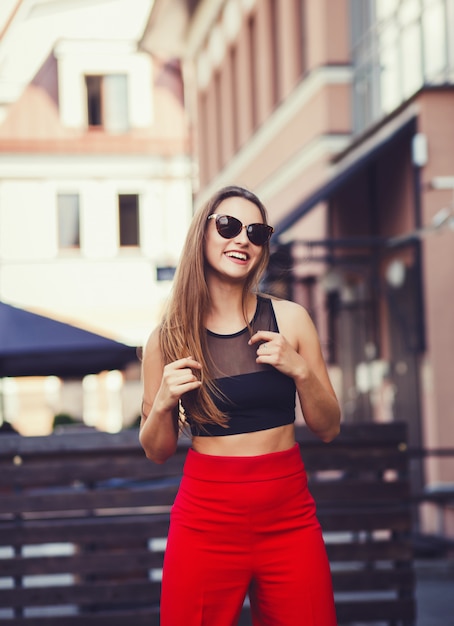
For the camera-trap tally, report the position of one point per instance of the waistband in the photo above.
(214, 468)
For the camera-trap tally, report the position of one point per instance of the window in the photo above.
(219, 112)
(107, 102)
(438, 31)
(252, 40)
(233, 61)
(128, 216)
(203, 137)
(274, 43)
(94, 100)
(397, 46)
(68, 220)
(299, 13)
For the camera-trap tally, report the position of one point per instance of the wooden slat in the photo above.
(368, 493)
(117, 592)
(90, 500)
(68, 471)
(375, 610)
(86, 442)
(370, 579)
(84, 562)
(358, 435)
(399, 549)
(136, 617)
(104, 531)
(372, 459)
(356, 519)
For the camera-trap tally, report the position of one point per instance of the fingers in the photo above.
(273, 350)
(265, 349)
(262, 335)
(268, 351)
(177, 379)
(180, 373)
(268, 342)
(187, 361)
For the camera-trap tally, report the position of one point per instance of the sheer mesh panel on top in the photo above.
(231, 355)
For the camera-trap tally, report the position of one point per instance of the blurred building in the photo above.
(95, 176)
(340, 115)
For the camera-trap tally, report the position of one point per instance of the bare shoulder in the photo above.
(288, 312)
(151, 350)
(152, 367)
(153, 339)
(296, 325)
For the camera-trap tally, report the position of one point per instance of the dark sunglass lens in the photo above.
(228, 226)
(259, 233)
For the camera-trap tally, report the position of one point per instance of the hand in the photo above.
(177, 379)
(275, 350)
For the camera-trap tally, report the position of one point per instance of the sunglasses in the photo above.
(229, 227)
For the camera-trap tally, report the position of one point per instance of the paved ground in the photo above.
(435, 592)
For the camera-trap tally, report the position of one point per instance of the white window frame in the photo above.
(77, 59)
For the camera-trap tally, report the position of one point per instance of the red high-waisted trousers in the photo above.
(244, 525)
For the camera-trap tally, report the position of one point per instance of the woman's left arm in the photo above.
(296, 352)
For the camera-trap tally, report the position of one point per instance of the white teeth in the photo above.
(237, 255)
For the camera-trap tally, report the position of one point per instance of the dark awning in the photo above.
(35, 345)
(338, 180)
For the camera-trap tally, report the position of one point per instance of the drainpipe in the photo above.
(419, 154)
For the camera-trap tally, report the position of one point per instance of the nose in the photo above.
(242, 235)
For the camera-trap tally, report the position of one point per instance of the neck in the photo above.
(226, 313)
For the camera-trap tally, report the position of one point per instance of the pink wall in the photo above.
(43, 131)
(437, 108)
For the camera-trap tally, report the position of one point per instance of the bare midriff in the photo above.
(247, 444)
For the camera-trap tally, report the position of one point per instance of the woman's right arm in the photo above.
(163, 387)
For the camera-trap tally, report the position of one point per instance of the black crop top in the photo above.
(255, 396)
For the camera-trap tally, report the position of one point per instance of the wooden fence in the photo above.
(84, 518)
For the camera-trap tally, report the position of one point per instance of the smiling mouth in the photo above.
(241, 256)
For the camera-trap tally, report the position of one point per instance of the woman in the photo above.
(228, 363)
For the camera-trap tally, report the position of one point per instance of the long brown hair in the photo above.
(182, 331)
